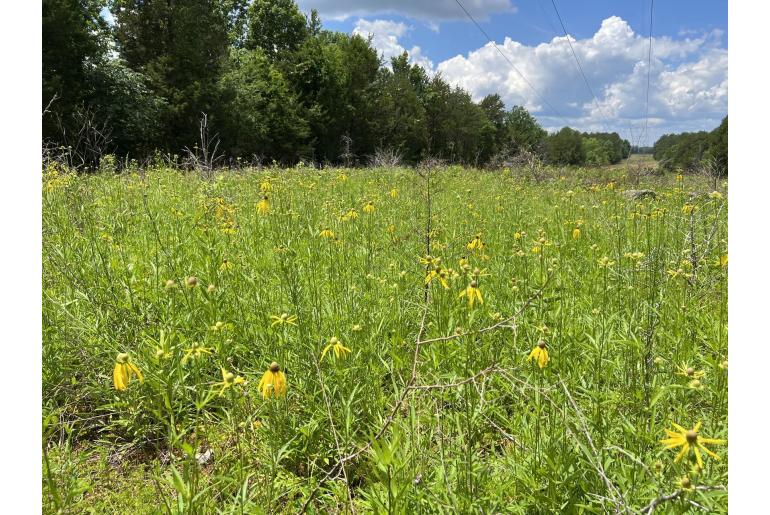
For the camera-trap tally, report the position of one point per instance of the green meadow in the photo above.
(409, 340)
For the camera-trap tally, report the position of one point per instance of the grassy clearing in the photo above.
(190, 278)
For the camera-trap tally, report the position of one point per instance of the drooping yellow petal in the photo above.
(697, 455)
(710, 453)
(279, 387)
(714, 441)
(685, 448)
(136, 371)
(118, 377)
(697, 427)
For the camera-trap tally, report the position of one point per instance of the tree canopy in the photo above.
(275, 85)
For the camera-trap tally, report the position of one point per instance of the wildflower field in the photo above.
(436, 340)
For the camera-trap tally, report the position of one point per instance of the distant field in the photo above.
(645, 160)
(401, 308)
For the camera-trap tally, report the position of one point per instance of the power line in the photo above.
(490, 40)
(649, 65)
(580, 67)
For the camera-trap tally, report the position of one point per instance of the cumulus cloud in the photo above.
(385, 36)
(427, 10)
(688, 80)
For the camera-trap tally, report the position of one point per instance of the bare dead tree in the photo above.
(712, 169)
(80, 148)
(385, 158)
(347, 155)
(530, 164)
(204, 155)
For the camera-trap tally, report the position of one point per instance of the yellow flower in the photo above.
(391, 229)
(326, 233)
(336, 346)
(196, 351)
(723, 260)
(539, 354)
(688, 209)
(124, 371)
(679, 273)
(229, 379)
(394, 193)
(517, 235)
(689, 440)
(576, 233)
(263, 207)
(475, 243)
(226, 265)
(605, 262)
(368, 208)
(273, 382)
(689, 372)
(440, 273)
(265, 186)
(283, 318)
(472, 293)
(715, 195)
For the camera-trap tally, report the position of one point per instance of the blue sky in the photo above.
(688, 76)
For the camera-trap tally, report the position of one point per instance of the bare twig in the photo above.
(676, 495)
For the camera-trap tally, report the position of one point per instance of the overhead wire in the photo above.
(516, 69)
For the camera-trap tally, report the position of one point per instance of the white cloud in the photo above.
(688, 80)
(385, 35)
(427, 10)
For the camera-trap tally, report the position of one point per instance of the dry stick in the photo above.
(334, 471)
(598, 465)
(675, 495)
(470, 379)
(505, 434)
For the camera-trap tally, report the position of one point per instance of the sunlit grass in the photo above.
(213, 289)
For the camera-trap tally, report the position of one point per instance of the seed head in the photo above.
(275, 367)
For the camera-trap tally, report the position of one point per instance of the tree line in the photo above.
(274, 86)
(694, 151)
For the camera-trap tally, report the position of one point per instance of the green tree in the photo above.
(717, 150)
(565, 147)
(74, 41)
(401, 121)
(276, 27)
(181, 47)
(122, 98)
(259, 115)
(524, 132)
(494, 110)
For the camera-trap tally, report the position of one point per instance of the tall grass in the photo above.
(435, 408)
